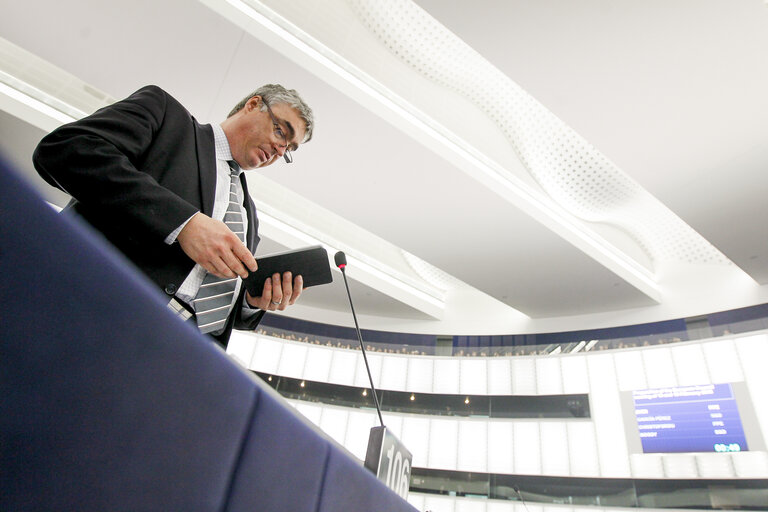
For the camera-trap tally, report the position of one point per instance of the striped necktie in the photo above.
(214, 299)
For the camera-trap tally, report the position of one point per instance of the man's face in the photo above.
(256, 140)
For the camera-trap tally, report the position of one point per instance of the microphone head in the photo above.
(341, 259)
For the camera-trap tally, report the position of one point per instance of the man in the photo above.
(170, 194)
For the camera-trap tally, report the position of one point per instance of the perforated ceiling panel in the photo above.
(430, 273)
(569, 169)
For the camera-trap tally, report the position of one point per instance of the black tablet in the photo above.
(311, 263)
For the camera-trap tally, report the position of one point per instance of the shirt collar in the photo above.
(221, 143)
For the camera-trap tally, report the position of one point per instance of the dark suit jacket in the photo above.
(137, 170)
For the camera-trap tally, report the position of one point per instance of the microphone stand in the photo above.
(341, 261)
(386, 457)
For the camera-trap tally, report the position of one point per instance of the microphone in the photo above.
(341, 261)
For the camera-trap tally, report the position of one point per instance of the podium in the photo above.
(110, 402)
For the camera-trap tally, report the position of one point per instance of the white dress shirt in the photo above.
(188, 289)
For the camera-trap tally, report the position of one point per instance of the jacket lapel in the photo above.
(206, 161)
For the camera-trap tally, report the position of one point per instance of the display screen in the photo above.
(689, 419)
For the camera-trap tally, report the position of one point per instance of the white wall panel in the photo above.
(266, 354)
(753, 354)
(500, 447)
(473, 446)
(506, 506)
(343, 365)
(630, 370)
(583, 449)
(358, 430)
(499, 378)
(394, 372)
(469, 505)
(361, 379)
(334, 422)
(318, 364)
(609, 425)
(549, 377)
(575, 376)
(527, 448)
(443, 443)
(446, 376)
(722, 361)
(499, 506)
(690, 366)
(241, 347)
(292, 360)
(415, 436)
(750, 464)
(715, 465)
(523, 375)
(554, 449)
(659, 368)
(647, 465)
(310, 411)
(473, 376)
(417, 500)
(420, 374)
(678, 465)
(439, 504)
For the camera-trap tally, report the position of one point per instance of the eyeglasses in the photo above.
(287, 154)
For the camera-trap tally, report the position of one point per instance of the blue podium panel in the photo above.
(288, 466)
(108, 402)
(283, 462)
(347, 488)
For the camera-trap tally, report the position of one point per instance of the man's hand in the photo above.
(215, 247)
(277, 294)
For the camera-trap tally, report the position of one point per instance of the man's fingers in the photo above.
(287, 291)
(244, 255)
(220, 268)
(277, 292)
(237, 257)
(298, 287)
(235, 265)
(265, 301)
(266, 294)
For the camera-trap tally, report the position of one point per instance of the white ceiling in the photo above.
(670, 93)
(673, 92)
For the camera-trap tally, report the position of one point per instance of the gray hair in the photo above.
(275, 93)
